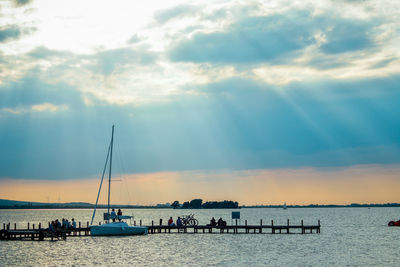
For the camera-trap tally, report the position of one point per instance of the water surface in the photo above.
(349, 237)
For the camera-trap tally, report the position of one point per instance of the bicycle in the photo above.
(189, 220)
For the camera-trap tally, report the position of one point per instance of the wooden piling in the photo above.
(287, 226)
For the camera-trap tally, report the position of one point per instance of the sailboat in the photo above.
(114, 227)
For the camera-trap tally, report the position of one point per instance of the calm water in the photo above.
(349, 237)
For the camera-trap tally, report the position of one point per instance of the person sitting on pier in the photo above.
(57, 227)
(171, 222)
(119, 214)
(68, 225)
(52, 227)
(212, 222)
(220, 221)
(113, 215)
(179, 221)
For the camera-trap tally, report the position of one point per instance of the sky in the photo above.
(261, 102)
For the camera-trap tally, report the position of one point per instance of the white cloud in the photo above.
(45, 107)
(75, 46)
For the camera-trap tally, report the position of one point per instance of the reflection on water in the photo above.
(349, 236)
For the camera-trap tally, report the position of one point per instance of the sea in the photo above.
(349, 237)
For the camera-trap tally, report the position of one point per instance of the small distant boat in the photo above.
(113, 228)
(284, 206)
(394, 223)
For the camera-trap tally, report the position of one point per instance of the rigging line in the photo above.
(123, 170)
(118, 159)
(102, 178)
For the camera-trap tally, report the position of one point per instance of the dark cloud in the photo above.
(383, 63)
(134, 39)
(9, 33)
(107, 61)
(175, 12)
(252, 40)
(20, 3)
(31, 91)
(43, 52)
(275, 39)
(238, 124)
(348, 36)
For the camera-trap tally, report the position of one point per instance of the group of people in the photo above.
(178, 222)
(57, 226)
(220, 222)
(117, 215)
(213, 222)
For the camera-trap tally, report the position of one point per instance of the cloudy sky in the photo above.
(255, 101)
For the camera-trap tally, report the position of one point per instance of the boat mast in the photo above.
(109, 174)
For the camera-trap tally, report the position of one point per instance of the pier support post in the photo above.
(15, 226)
(302, 227)
(140, 222)
(272, 226)
(260, 226)
(236, 229)
(287, 231)
(41, 236)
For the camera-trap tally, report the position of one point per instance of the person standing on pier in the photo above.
(119, 214)
(73, 223)
(113, 215)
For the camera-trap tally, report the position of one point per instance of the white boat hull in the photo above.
(117, 228)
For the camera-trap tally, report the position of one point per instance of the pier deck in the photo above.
(41, 234)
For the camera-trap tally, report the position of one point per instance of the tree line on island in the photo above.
(198, 204)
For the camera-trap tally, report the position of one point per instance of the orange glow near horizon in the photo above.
(356, 184)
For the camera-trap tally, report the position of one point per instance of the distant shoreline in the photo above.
(91, 206)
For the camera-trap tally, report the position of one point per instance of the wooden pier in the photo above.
(31, 233)
(240, 229)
